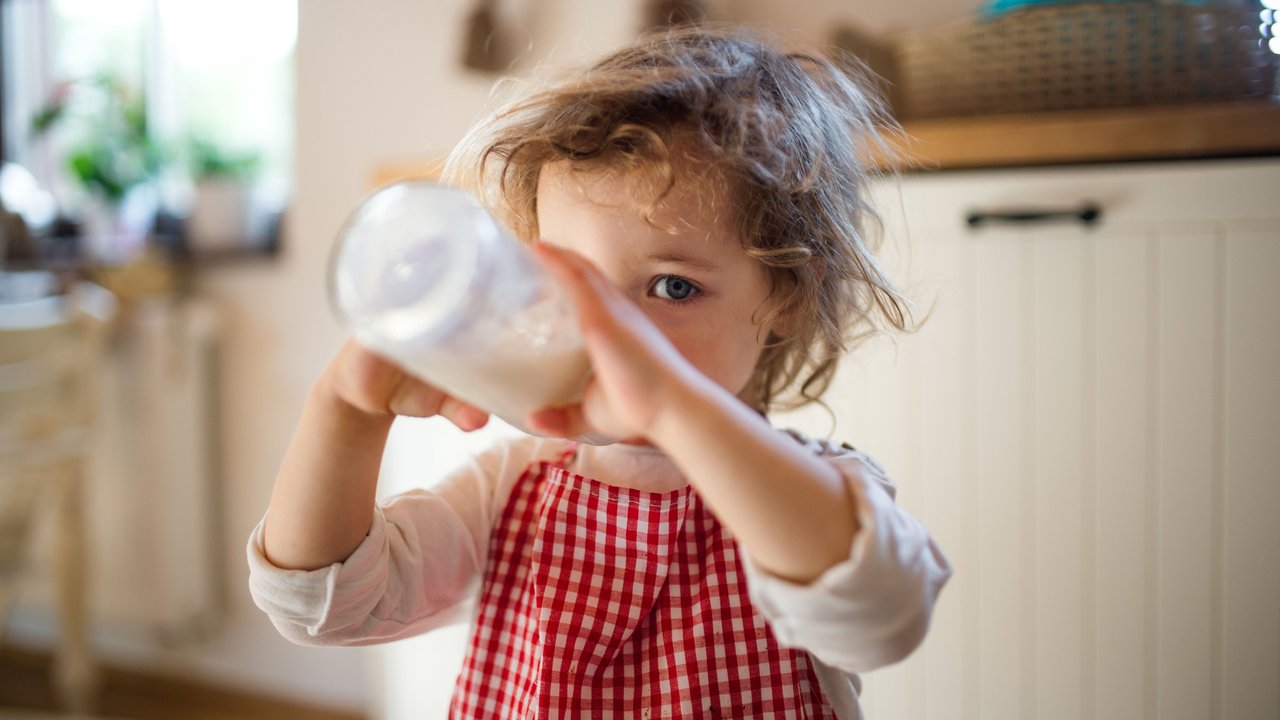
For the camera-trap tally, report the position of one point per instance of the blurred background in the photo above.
(1086, 206)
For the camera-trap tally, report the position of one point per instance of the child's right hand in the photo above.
(373, 385)
(326, 491)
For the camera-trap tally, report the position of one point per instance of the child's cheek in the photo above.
(705, 349)
(674, 322)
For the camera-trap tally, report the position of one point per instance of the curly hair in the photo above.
(795, 136)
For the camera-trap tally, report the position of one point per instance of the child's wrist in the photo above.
(693, 399)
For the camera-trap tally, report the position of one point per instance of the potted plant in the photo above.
(110, 155)
(222, 215)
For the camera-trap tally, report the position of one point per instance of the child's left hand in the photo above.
(638, 373)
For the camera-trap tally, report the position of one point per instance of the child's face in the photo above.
(696, 284)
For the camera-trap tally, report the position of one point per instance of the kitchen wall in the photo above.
(815, 18)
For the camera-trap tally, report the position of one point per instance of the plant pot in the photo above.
(222, 217)
(116, 233)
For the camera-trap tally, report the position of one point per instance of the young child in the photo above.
(701, 196)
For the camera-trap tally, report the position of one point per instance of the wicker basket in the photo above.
(1076, 56)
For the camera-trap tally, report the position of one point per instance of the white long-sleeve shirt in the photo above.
(421, 565)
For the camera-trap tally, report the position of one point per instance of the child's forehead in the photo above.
(681, 189)
(691, 221)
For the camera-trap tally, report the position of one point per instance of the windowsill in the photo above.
(226, 256)
(164, 268)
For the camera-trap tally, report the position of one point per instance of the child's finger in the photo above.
(587, 288)
(549, 421)
(592, 416)
(566, 422)
(413, 398)
(466, 416)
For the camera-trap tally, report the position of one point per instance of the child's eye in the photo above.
(673, 287)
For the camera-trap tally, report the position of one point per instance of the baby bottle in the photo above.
(424, 276)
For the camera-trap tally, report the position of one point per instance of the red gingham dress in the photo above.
(609, 602)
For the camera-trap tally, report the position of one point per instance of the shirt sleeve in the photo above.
(873, 608)
(416, 570)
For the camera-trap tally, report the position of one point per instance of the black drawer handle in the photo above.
(1086, 214)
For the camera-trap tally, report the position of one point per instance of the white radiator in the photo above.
(154, 509)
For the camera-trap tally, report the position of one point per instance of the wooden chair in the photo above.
(50, 349)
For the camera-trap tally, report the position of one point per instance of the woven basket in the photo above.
(1090, 55)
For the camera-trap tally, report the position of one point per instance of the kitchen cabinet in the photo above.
(1086, 421)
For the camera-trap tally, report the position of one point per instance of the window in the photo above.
(1269, 28)
(218, 73)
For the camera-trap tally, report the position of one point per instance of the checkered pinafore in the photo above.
(609, 602)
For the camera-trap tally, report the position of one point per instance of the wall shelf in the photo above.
(1113, 135)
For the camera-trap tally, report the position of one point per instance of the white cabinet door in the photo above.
(1086, 421)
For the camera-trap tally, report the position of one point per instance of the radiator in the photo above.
(154, 508)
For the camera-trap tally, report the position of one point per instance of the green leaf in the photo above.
(117, 152)
(47, 118)
(209, 160)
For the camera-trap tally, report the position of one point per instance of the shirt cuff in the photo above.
(325, 598)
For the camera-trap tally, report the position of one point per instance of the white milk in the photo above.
(425, 276)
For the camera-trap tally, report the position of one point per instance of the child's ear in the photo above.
(788, 301)
(783, 324)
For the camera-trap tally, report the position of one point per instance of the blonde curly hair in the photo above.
(794, 136)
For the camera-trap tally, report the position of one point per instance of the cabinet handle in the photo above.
(1087, 214)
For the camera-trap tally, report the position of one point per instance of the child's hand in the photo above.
(374, 386)
(636, 369)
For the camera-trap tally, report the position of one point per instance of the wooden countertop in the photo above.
(1056, 138)
(1122, 134)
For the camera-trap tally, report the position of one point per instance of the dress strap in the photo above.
(568, 455)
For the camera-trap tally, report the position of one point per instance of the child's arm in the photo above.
(836, 566)
(323, 502)
(874, 608)
(790, 510)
